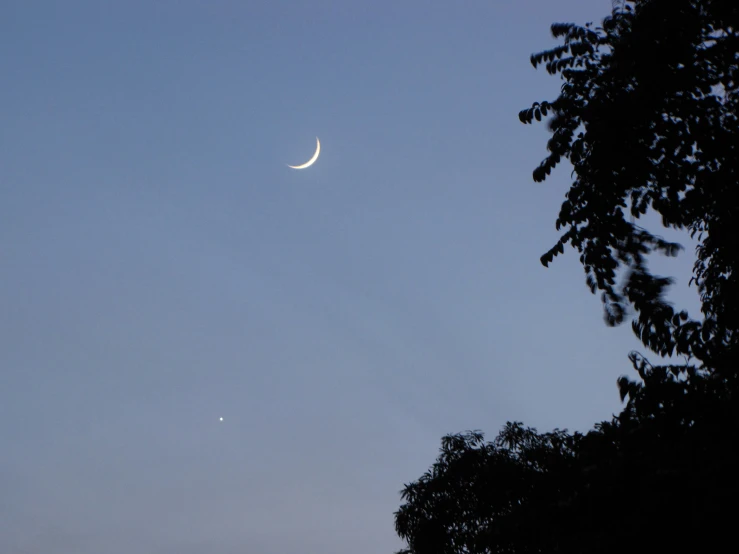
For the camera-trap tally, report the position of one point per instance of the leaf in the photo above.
(546, 259)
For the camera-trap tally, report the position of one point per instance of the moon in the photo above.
(312, 160)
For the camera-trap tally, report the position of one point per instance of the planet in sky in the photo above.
(312, 160)
(220, 419)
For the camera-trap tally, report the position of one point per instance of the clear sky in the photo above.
(162, 268)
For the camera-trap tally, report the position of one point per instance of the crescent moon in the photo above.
(312, 160)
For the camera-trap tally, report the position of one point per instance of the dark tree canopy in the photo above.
(482, 494)
(648, 116)
(648, 482)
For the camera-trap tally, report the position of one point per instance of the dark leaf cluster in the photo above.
(652, 479)
(648, 116)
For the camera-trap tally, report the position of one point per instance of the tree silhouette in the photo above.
(649, 479)
(482, 496)
(648, 116)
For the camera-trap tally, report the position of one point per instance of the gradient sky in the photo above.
(163, 268)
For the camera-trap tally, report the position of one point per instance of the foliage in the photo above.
(480, 494)
(649, 479)
(648, 116)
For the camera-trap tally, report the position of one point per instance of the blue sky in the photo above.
(163, 268)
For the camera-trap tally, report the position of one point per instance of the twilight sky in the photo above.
(162, 267)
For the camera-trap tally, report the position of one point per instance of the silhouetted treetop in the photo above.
(648, 116)
(649, 480)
